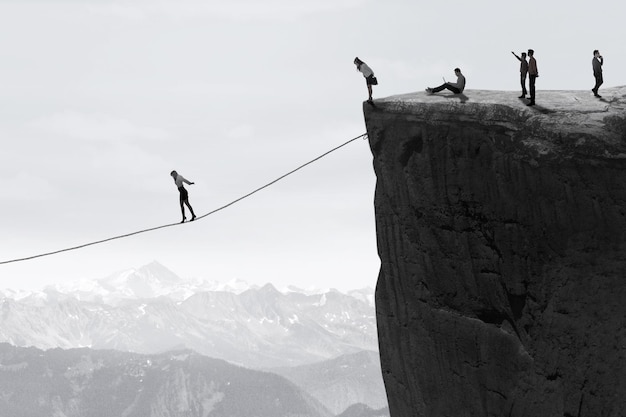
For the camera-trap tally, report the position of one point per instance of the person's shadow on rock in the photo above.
(540, 109)
(462, 97)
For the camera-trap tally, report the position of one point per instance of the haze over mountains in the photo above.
(151, 310)
(324, 342)
(341, 382)
(88, 383)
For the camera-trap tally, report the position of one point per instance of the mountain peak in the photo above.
(159, 272)
(269, 289)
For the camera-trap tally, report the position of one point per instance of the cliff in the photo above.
(501, 233)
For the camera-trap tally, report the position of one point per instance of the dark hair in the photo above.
(173, 172)
(457, 70)
(531, 52)
(523, 53)
(358, 61)
(595, 51)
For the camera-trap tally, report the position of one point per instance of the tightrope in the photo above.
(97, 242)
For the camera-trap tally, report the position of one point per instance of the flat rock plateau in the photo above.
(501, 230)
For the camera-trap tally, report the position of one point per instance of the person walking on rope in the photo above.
(597, 63)
(367, 72)
(184, 196)
(533, 73)
(523, 71)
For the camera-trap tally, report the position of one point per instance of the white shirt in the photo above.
(365, 70)
(179, 181)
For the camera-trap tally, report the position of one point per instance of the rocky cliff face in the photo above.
(501, 232)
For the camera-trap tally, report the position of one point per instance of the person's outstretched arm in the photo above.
(515, 55)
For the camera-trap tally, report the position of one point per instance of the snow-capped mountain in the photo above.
(151, 310)
(155, 280)
(149, 281)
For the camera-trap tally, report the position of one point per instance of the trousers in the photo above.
(446, 86)
(531, 86)
(599, 81)
(522, 78)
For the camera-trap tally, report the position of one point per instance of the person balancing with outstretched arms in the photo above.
(184, 196)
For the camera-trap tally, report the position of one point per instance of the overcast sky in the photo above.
(100, 100)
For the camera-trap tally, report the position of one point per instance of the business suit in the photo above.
(533, 73)
(596, 63)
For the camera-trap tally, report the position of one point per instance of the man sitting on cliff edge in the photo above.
(456, 88)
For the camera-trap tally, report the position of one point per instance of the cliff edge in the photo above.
(502, 236)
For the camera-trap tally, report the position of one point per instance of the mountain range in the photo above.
(91, 383)
(322, 341)
(151, 310)
(342, 382)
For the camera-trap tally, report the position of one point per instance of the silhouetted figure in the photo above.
(523, 70)
(184, 196)
(597, 63)
(367, 72)
(533, 73)
(456, 88)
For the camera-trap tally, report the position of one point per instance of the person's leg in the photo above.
(440, 88)
(532, 88)
(193, 215)
(369, 89)
(182, 206)
(452, 88)
(599, 82)
(523, 82)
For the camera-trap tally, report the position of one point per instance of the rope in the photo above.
(97, 242)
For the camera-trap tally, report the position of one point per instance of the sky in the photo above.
(100, 100)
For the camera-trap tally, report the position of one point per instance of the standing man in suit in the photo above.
(533, 73)
(597, 71)
(523, 70)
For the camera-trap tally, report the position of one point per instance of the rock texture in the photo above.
(501, 232)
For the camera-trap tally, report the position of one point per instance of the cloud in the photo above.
(95, 127)
(239, 10)
(240, 132)
(74, 155)
(26, 187)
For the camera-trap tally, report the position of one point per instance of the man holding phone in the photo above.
(596, 63)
